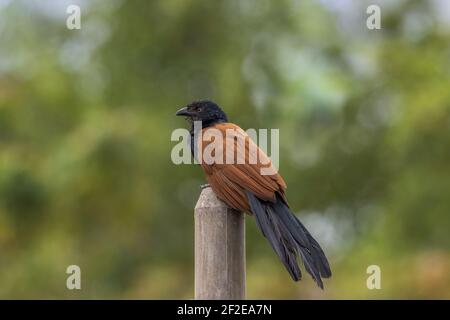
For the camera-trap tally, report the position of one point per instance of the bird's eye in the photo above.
(198, 109)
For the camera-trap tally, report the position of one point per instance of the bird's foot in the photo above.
(204, 186)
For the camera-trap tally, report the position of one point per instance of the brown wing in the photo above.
(250, 170)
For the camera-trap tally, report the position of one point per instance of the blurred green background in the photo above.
(86, 117)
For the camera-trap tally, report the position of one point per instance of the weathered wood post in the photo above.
(219, 249)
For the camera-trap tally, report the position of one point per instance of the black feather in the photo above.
(289, 238)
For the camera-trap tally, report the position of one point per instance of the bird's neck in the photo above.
(194, 135)
(206, 124)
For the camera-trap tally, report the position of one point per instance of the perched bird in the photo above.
(242, 186)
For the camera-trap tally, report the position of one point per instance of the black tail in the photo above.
(289, 238)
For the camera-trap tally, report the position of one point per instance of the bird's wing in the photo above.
(244, 167)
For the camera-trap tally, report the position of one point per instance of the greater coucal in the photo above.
(242, 186)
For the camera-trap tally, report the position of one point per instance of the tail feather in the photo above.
(270, 230)
(289, 238)
(306, 239)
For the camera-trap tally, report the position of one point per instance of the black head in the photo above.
(206, 111)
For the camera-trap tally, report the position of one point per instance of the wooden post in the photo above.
(219, 249)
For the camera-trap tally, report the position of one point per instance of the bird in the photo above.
(243, 187)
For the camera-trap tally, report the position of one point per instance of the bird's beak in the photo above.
(183, 112)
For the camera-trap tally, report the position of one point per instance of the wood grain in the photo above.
(219, 249)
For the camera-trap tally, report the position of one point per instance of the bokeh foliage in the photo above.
(86, 117)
